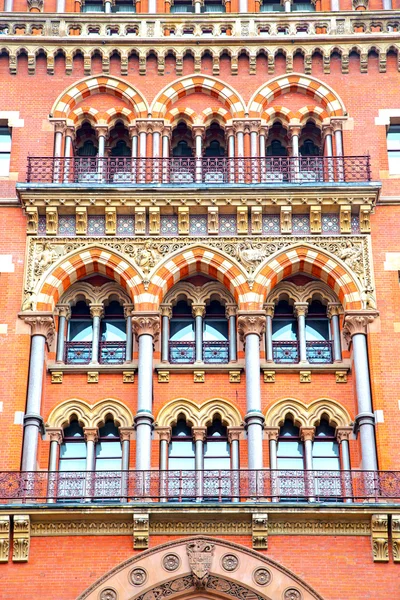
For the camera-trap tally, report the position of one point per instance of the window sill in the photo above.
(343, 365)
(200, 366)
(61, 367)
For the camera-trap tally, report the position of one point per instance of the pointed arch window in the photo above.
(73, 449)
(108, 448)
(181, 454)
(217, 454)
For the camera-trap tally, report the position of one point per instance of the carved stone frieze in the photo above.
(4, 538)
(380, 537)
(21, 538)
(318, 527)
(80, 527)
(203, 525)
(200, 554)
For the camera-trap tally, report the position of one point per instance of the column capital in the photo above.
(254, 125)
(155, 126)
(234, 434)
(230, 310)
(146, 324)
(198, 130)
(142, 125)
(269, 308)
(63, 310)
(133, 131)
(96, 310)
(167, 131)
(272, 433)
(333, 309)
(59, 125)
(307, 433)
(198, 310)
(91, 434)
(164, 434)
(70, 132)
(41, 323)
(101, 130)
(343, 433)
(337, 124)
(125, 433)
(357, 321)
(128, 309)
(251, 322)
(300, 309)
(294, 130)
(238, 125)
(327, 129)
(166, 310)
(264, 129)
(55, 434)
(229, 131)
(199, 434)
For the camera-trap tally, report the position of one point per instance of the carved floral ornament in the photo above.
(251, 323)
(149, 324)
(356, 322)
(41, 324)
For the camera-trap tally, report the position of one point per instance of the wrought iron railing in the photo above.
(112, 353)
(319, 352)
(285, 352)
(271, 170)
(182, 352)
(216, 352)
(78, 353)
(288, 352)
(206, 486)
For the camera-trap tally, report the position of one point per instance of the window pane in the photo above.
(93, 7)
(113, 331)
(290, 463)
(181, 449)
(317, 330)
(217, 464)
(328, 448)
(215, 331)
(394, 162)
(181, 331)
(73, 450)
(284, 331)
(294, 449)
(393, 137)
(108, 450)
(5, 139)
(103, 464)
(213, 449)
(80, 331)
(181, 464)
(4, 165)
(72, 465)
(326, 464)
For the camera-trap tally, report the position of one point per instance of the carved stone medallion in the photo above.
(229, 562)
(171, 562)
(200, 553)
(108, 594)
(262, 576)
(292, 594)
(138, 576)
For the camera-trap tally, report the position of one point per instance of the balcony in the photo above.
(191, 172)
(80, 353)
(289, 353)
(185, 352)
(202, 486)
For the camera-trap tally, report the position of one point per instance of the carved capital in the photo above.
(146, 324)
(254, 126)
(333, 309)
(59, 126)
(300, 309)
(128, 309)
(101, 131)
(199, 434)
(269, 308)
(166, 310)
(343, 434)
(294, 130)
(91, 434)
(141, 126)
(133, 131)
(230, 310)
(55, 434)
(238, 126)
(326, 130)
(96, 310)
(125, 433)
(234, 434)
(337, 125)
(63, 310)
(41, 324)
(198, 310)
(272, 433)
(307, 433)
(251, 323)
(357, 321)
(164, 433)
(198, 130)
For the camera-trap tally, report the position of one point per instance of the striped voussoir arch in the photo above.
(186, 113)
(313, 262)
(311, 112)
(278, 113)
(296, 83)
(219, 113)
(83, 263)
(198, 84)
(119, 111)
(97, 85)
(209, 262)
(83, 112)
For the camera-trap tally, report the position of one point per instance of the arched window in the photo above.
(73, 448)
(217, 454)
(113, 334)
(271, 6)
(121, 148)
(181, 454)
(80, 333)
(284, 334)
(108, 448)
(325, 448)
(301, 5)
(215, 334)
(317, 323)
(182, 334)
(276, 148)
(213, 6)
(309, 148)
(290, 452)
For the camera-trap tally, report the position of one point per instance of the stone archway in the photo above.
(200, 568)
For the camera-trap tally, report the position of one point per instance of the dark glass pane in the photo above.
(317, 329)
(181, 429)
(81, 309)
(114, 309)
(284, 330)
(215, 330)
(182, 330)
(289, 429)
(109, 429)
(73, 430)
(216, 429)
(113, 331)
(80, 330)
(182, 308)
(324, 429)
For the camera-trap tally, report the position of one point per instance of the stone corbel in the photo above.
(242, 220)
(396, 538)
(81, 220)
(260, 531)
(41, 323)
(357, 321)
(51, 220)
(154, 220)
(286, 219)
(183, 220)
(315, 219)
(33, 220)
(35, 6)
(4, 538)
(140, 531)
(22, 538)
(360, 4)
(380, 538)
(256, 220)
(365, 218)
(212, 220)
(140, 220)
(111, 220)
(345, 218)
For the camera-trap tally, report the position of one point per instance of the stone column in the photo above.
(152, 7)
(102, 164)
(156, 128)
(96, 312)
(327, 133)
(387, 5)
(300, 311)
(8, 5)
(125, 434)
(64, 313)
(355, 332)
(166, 314)
(233, 439)
(269, 308)
(294, 134)
(146, 327)
(60, 6)
(142, 130)
(197, 6)
(287, 5)
(128, 308)
(254, 150)
(133, 132)
(335, 5)
(199, 437)
(59, 128)
(262, 151)
(307, 437)
(166, 137)
(239, 127)
(69, 138)
(164, 434)
(273, 435)
(56, 437)
(198, 133)
(337, 130)
(243, 6)
(343, 437)
(198, 312)
(42, 331)
(251, 327)
(230, 313)
(107, 6)
(91, 436)
(333, 313)
(230, 144)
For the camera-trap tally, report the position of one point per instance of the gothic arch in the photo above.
(296, 82)
(199, 415)
(101, 84)
(198, 294)
(307, 259)
(88, 415)
(198, 84)
(199, 564)
(307, 415)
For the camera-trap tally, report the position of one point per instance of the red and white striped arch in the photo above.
(198, 84)
(112, 114)
(316, 113)
(219, 114)
(296, 83)
(312, 261)
(278, 113)
(185, 113)
(81, 113)
(89, 86)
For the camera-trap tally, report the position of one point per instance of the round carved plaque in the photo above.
(262, 576)
(138, 576)
(292, 594)
(230, 562)
(108, 594)
(171, 562)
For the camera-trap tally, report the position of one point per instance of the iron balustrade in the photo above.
(182, 352)
(78, 353)
(288, 352)
(216, 352)
(285, 352)
(206, 486)
(112, 353)
(320, 351)
(271, 170)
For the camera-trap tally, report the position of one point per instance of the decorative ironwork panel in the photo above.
(319, 352)
(78, 353)
(182, 352)
(216, 352)
(112, 353)
(285, 352)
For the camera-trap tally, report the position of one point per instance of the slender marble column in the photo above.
(101, 168)
(337, 130)
(300, 311)
(387, 5)
(199, 311)
(243, 6)
(198, 133)
(239, 127)
(199, 438)
(230, 142)
(234, 434)
(166, 137)
(69, 138)
(152, 7)
(294, 134)
(42, 331)
(355, 332)
(343, 437)
(333, 314)
(91, 437)
(8, 5)
(251, 327)
(146, 328)
(287, 5)
(125, 434)
(133, 132)
(273, 434)
(59, 128)
(128, 308)
(197, 6)
(164, 434)
(262, 152)
(64, 313)
(269, 315)
(327, 133)
(142, 127)
(166, 314)
(335, 5)
(96, 311)
(55, 435)
(307, 437)
(107, 6)
(230, 313)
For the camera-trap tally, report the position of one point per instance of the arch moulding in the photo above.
(208, 566)
(199, 415)
(307, 415)
(90, 416)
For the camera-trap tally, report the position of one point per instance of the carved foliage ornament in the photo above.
(251, 323)
(146, 325)
(200, 554)
(292, 594)
(138, 576)
(41, 325)
(357, 322)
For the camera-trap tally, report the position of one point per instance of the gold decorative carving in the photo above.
(341, 376)
(111, 220)
(305, 376)
(234, 376)
(198, 310)
(128, 377)
(380, 538)
(154, 220)
(356, 322)
(310, 526)
(315, 219)
(46, 255)
(32, 221)
(260, 531)
(199, 376)
(242, 220)
(286, 219)
(333, 309)
(396, 538)
(51, 220)
(352, 256)
(96, 310)
(300, 309)
(365, 218)
(21, 538)
(56, 377)
(212, 221)
(146, 257)
(93, 377)
(166, 310)
(183, 220)
(163, 376)
(202, 525)
(251, 323)
(269, 376)
(4, 538)
(81, 220)
(345, 218)
(146, 324)
(140, 531)
(140, 220)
